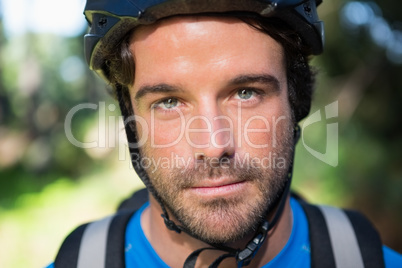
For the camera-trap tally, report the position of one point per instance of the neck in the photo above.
(174, 248)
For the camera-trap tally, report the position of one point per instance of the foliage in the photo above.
(42, 78)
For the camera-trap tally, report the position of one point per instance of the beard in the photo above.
(223, 220)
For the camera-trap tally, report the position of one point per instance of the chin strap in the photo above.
(170, 224)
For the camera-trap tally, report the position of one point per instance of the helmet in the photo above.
(111, 20)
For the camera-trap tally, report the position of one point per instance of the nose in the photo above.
(210, 133)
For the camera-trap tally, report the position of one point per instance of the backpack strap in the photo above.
(97, 244)
(100, 243)
(342, 238)
(68, 252)
(135, 201)
(369, 240)
(320, 243)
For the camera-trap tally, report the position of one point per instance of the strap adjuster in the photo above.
(244, 257)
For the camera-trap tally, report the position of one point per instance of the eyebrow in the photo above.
(257, 78)
(238, 80)
(159, 88)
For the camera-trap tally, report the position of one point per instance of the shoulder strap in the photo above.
(369, 240)
(135, 201)
(68, 252)
(99, 244)
(342, 238)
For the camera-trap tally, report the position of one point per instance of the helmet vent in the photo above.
(102, 23)
(307, 9)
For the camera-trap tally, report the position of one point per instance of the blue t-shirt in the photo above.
(296, 253)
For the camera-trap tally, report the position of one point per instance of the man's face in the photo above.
(216, 125)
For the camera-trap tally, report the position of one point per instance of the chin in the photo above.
(222, 221)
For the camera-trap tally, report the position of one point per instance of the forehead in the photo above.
(190, 26)
(203, 45)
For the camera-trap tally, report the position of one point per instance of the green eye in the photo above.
(169, 103)
(245, 94)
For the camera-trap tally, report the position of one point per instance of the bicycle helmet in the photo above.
(111, 20)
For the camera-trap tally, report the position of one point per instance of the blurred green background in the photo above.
(48, 185)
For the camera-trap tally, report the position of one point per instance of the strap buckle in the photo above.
(244, 257)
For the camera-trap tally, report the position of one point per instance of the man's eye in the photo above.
(245, 94)
(168, 103)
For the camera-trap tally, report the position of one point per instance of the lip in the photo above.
(218, 187)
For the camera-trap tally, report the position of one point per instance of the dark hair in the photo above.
(119, 64)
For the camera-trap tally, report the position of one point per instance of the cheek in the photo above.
(166, 134)
(263, 129)
(154, 133)
(163, 137)
(257, 132)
